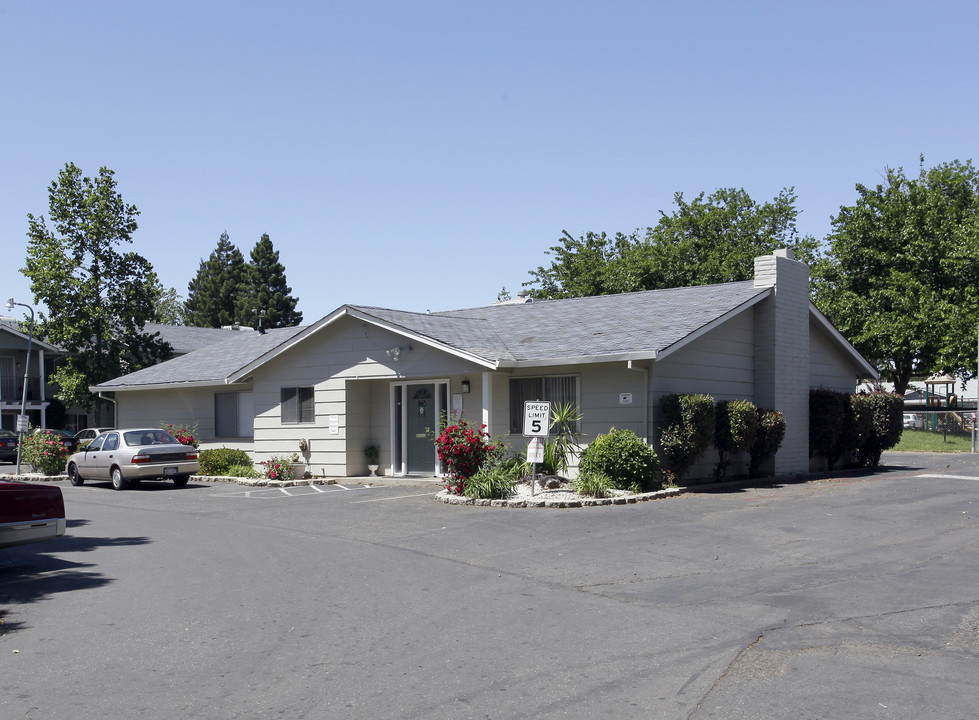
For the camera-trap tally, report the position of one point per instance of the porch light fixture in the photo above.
(465, 386)
(27, 365)
(395, 352)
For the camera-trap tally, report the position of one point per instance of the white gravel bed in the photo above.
(556, 498)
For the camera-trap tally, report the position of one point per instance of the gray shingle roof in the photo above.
(185, 339)
(542, 330)
(539, 331)
(210, 364)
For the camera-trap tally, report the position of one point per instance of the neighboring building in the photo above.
(184, 339)
(365, 375)
(13, 355)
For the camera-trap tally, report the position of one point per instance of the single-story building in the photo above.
(374, 376)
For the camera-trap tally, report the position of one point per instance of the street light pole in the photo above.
(27, 367)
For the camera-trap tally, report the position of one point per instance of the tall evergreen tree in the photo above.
(213, 294)
(267, 290)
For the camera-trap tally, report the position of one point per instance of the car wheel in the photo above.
(73, 477)
(118, 481)
(180, 480)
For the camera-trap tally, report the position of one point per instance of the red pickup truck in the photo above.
(30, 513)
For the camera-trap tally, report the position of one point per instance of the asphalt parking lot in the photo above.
(848, 596)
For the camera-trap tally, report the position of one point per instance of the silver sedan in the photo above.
(128, 456)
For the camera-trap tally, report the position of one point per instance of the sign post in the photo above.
(536, 426)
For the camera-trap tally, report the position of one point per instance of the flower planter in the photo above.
(298, 470)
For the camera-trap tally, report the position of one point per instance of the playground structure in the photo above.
(943, 410)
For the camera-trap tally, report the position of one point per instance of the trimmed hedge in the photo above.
(219, 461)
(688, 428)
(863, 425)
(768, 439)
(879, 418)
(735, 428)
(625, 458)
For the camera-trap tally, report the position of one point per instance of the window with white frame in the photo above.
(234, 414)
(556, 389)
(297, 405)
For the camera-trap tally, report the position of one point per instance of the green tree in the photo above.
(710, 239)
(266, 290)
(97, 298)
(168, 307)
(901, 273)
(213, 293)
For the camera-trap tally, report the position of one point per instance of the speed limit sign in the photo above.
(536, 419)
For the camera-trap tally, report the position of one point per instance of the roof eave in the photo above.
(161, 385)
(577, 360)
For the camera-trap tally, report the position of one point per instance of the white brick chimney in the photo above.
(782, 353)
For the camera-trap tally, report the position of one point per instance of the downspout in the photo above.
(645, 398)
(115, 408)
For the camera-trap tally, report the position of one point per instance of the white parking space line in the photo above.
(949, 477)
(267, 493)
(396, 497)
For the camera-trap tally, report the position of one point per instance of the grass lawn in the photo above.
(927, 441)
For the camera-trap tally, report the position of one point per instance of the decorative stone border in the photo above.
(445, 497)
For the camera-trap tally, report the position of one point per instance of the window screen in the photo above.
(557, 389)
(297, 405)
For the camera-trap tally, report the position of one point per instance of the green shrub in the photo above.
(625, 458)
(44, 452)
(829, 434)
(242, 471)
(218, 462)
(735, 428)
(688, 428)
(494, 483)
(768, 439)
(879, 422)
(594, 484)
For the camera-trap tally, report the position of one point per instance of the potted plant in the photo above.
(373, 452)
(298, 468)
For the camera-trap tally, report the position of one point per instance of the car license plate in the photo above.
(170, 471)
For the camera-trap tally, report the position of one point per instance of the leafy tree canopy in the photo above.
(711, 239)
(168, 307)
(97, 297)
(901, 273)
(266, 290)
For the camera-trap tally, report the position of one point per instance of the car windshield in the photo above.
(149, 437)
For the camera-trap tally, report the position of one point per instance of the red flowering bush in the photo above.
(184, 435)
(275, 469)
(462, 448)
(44, 451)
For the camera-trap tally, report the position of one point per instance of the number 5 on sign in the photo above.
(537, 419)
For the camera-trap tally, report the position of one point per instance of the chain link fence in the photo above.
(959, 423)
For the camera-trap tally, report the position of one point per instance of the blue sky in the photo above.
(423, 155)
